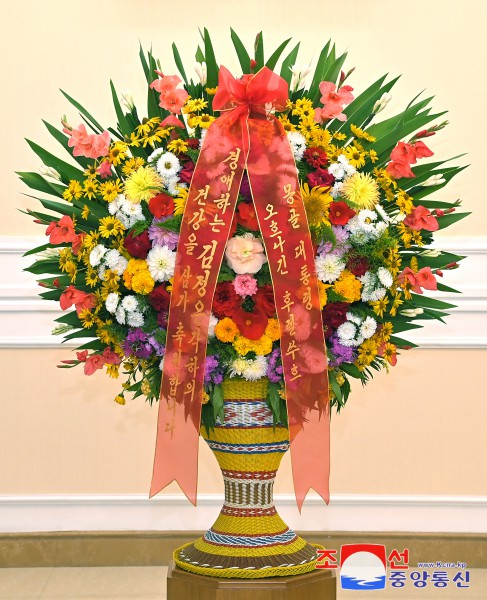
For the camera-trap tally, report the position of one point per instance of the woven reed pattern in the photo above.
(249, 539)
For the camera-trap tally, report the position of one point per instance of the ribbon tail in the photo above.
(176, 454)
(310, 458)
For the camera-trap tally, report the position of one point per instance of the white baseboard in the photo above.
(172, 512)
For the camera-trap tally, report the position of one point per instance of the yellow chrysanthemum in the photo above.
(396, 303)
(339, 136)
(205, 120)
(73, 191)
(385, 332)
(303, 108)
(87, 318)
(367, 353)
(119, 399)
(147, 125)
(355, 156)
(194, 105)
(322, 287)
(320, 138)
(90, 240)
(374, 157)
(286, 123)
(110, 226)
(362, 134)
(226, 330)
(348, 286)
(379, 306)
(142, 282)
(307, 126)
(113, 371)
(361, 190)
(273, 331)
(91, 277)
(142, 185)
(262, 346)
(132, 164)
(316, 203)
(205, 398)
(243, 345)
(85, 213)
(180, 201)
(71, 269)
(211, 91)
(65, 256)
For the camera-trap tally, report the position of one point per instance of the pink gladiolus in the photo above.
(421, 218)
(171, 98)
(105, 169)
(426, 280)
(111, 357)
(405, 155)
(399, 169)
(333, 101)
(421, 150)
(406, 274)
(78, 242)
(82, 356)
(62, 231)
(81, 300)
(172, 121)
(89, 145)
(97, 361)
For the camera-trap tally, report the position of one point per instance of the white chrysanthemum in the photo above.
(126, 221)
(154, 157)
(130, 303)
(298, 144)
(135, 319)
(121, 265)
(367, 219)
(161, 261)
(111, 258)
(101, 272)
(111, 302)
(346, 331)
(385, 277)
(237, 366)
(368, 327)
(328, 268)
(120, 315)
(354, 318)
(114, 206)
(173, 186)
(211, 325)
(382, 213)
(347, 167)
(255, 369)
(335, 190)
(337, 170)
(377, 294)
(203, 135)
(132, 209)
(97, 254)
(168, 165)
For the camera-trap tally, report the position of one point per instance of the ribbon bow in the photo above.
(246, 136)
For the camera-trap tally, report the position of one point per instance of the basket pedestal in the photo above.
(249, 540)
(319, 584)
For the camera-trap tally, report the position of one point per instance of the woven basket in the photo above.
(249, 539)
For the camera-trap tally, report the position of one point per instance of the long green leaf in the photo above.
(319, 70)
(259, 50)
(242, 54)
(63, 140)
(66, 170)
(288, 62)
(37, 182)
(123, 124)
(211, 64)
(83, 111)
(179, 63)
(276, 55)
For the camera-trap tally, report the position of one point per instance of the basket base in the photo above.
(181, 585)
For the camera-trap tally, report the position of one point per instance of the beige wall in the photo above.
(419, 430)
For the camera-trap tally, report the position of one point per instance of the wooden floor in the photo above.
(149, 583)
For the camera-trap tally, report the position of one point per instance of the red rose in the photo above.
(159, 298)
(333, 315)
(138, 245)
(264, 300)
(358, 265)
(246, 216)
(225, 300)
(161, 205)
(321, 177)
(193, 143)
(315, 157)
(186, 173)
(340, 213)
(250, 324)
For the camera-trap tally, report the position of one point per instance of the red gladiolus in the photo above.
(161, 205)
(340, 213)
(399, 170)
(250, 324)
(421, 218)
(247, 217)
(138, 245)
(62, 231)
(80, 299)
(405, 155)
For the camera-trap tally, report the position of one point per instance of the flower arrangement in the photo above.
(113, 228)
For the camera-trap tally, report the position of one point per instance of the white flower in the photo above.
(168, 165)
(114, 205)
(347, 167)
(381, 103)
(101, 272)
(131, 209)
(127, 100)
(354, 318)
(161, 261)
(411, 312)
(250, 369)
(436, 179)
(97, 254)
(337, 170)
(329, 268)
(121, 265)
(433, 253)
(120, 315)
(154, 156)
(211, 325)
(385, 277)
(46, 171)
(382, 213)
(346, 331)
(203, 135)
(135, 319)
(368, 327)
(111, 302)
(173, 185)
(298, 144)
(201, 71)
(299, 74)
(130, 304)
(111, 258)
(335, 190)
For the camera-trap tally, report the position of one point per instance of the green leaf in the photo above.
(400, 324)
(427, 302)
(123, 124)
(401, 342)
(83, 111)
(352, 370)
(199, 56)
(51, 294)
(445, 288)
(79, 334)
(44, 266)
(288, 62)
(259, 50)
(242, 54)
(218, 403)
(211, 64)
(36, 182)
(448, 220)
(320, 68)
(63, 140)
(37, 249)
(179, 63)
(271, 63)
(66, 170)
(332, 70)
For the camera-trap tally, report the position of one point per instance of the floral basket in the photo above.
(273, 232)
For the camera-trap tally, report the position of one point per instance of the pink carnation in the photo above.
(88, 145)
(245, 285)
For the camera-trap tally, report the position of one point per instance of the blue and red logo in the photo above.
(363, 567)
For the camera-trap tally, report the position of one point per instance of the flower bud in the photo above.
(411, 312)
(433, 252)
(452, 265)
(127, 100)
(50, 172)
(201, 71)
(381, 103)
(436, 179)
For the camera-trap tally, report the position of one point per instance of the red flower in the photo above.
(246, 216)
(358, 265)
(161, 205)
(138, 245)
(315, 157)
(421, 218)
(62, 231)
(333, 315)
(159, 298)
(193, 143)
(264, 300)
(186, 173)
(321, 177)
(225, 300)
(80, 299)
(340, 213)
(250, 324)
(399, 169)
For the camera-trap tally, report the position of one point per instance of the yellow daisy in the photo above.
(316, 203)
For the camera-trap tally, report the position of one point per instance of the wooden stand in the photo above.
(182, 585)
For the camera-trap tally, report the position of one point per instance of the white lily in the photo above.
(46, 171)
(381, 103)
(437, 179)
(299, 74)
(201, 71)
